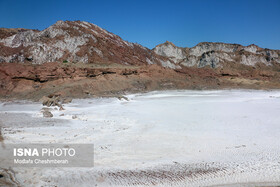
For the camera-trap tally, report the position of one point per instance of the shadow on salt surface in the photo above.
(176, 174)
(26, 120)
(165, 175)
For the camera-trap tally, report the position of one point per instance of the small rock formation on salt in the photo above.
(46, 113)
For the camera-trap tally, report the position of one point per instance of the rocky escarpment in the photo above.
(33, 81)
(72, 41)
(215, 54)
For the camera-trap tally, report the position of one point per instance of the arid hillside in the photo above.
(79, 59)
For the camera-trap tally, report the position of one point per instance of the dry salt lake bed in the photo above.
(162, 138)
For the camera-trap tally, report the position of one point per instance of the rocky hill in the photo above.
(72, 41)
(80, 59)
(79, 41)
(215, 54)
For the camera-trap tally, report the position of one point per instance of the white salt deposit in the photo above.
(232, 136)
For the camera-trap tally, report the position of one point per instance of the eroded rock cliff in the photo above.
(215, 54)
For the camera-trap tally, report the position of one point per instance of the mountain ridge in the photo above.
(80, 41)
(72, 41)
(79, 59)
(212, 53)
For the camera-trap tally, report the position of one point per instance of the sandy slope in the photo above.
(171, 138)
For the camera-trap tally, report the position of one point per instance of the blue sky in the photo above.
(151, 22)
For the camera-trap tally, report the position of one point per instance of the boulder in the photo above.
(50, 101)
(47, 114)
(66, 100)
(122, 97)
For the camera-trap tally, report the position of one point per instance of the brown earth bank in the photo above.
(79, 80)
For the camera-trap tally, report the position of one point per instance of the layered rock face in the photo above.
(72, 41)
(215, 54)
